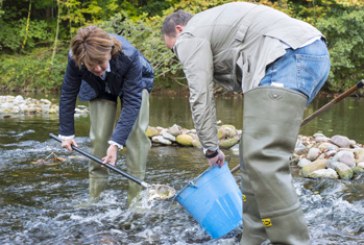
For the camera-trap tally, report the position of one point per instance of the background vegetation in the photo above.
(35, 35)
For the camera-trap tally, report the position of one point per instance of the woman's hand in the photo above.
(67, 143)
(111, 155)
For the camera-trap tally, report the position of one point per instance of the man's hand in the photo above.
(67, 143)
(111, 155)
(218, 159)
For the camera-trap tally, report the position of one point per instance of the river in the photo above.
(40, 203)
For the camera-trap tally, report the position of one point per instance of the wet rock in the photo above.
(51, 160)
(235, 150)
(358, 170)
(344, 171)
(324, 173)
(316, 165)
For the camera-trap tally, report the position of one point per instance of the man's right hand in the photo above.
(67, 143)
(218, 159)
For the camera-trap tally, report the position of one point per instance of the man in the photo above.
(102, 67)
(280, 64)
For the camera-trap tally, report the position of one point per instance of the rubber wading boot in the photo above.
(138, 146)
(253, 228)
(102, 119)
(96, 187)
(271, 122)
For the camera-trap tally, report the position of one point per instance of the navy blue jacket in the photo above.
(130, 74)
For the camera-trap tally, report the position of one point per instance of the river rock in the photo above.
(175, 130)
(330, 153)
(313, 153)
(151, 131)
(357, 170)
(346, 157)
(359, 154)
(326, 146)
(229, 142)
(324, 173)
(316, 165)
(81, 111)
(196, 143)
(168, 136)
(303, 162)
(235, 150)
(226, 131)
(342, 141)
(320, 137)
(12, 107)
(184, 139)
(344, 171)
(54, 109)
(300, 148)
(161, 140)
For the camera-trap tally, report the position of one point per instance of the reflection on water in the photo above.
(43, 203)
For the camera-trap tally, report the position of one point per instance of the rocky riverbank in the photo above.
(18, 106)
(316, 156)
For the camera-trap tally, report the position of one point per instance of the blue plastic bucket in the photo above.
(214, 200)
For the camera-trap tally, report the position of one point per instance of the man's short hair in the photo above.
(179, 17)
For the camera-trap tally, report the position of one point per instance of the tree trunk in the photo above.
(27, 25)
(55, 43)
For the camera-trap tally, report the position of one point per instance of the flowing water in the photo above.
(42, 202)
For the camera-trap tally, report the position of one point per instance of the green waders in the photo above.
(102, 115)
(138, 146)
(271, 123)
(102, 118)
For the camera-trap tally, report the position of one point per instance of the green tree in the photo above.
(345, 34)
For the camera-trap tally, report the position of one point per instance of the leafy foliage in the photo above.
(52, 23)
(345, 35)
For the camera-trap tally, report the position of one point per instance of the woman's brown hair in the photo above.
(92, 45)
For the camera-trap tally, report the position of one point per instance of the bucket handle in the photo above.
(192, 184)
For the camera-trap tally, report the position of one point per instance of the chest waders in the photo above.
(102, 117)
(271, 209)
(138, 146)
